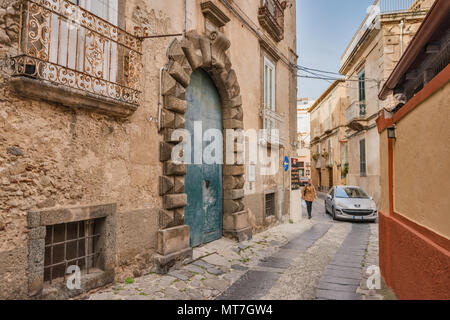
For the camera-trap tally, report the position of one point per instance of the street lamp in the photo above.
(391, 132)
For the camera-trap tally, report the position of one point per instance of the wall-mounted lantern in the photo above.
(391, 132)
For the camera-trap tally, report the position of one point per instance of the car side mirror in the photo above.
(329, 196)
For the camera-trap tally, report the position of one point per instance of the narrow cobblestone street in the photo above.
(313, 259)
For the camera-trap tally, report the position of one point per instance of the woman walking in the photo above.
(309, 195)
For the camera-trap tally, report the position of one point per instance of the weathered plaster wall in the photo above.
(412, 149)
(56, 156)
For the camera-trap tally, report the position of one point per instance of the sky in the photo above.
(324, 29)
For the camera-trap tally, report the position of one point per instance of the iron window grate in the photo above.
(68, 244)
(270, 204)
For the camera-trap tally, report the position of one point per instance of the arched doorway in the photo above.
(203, 181)
(196, 54)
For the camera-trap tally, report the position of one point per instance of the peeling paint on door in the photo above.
(203, 182)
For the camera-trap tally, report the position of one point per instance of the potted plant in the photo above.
(325, 154)
(345, 170)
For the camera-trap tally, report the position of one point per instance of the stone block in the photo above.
(33, 219)
(174, 201)
(233, 194)
(72, 214)
(164, 263)
(173, 240)
(36, 249)
(176, 105)
(180, 121)
(176, 52)
(165, 151)
(172, 87)
(179, 184)
(233, 182)
(239, 235)
(233, 170)
(177, 72)
(189, 50)
(174, 168)
(234, 102)
(166, 185)
(37, 233)
(168, 134)
(179, 216)
(236, 113)
(166, 219)
(168, 119)
(233, 124)
(232, 206)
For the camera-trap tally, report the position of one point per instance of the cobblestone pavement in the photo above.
(313, 259)
(216, 267)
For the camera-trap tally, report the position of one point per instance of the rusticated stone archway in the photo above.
(209, 53)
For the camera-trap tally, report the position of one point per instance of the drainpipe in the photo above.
(402, 25)
(160, 98)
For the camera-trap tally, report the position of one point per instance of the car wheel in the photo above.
(333, 210)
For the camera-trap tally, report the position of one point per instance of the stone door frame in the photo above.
(186, 55)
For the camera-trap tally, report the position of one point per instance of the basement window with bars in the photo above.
(75, 243)
(270, 204)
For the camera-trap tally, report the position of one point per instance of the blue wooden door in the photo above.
(203, 182)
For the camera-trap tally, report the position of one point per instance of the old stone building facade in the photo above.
(92, 95)
(328, 143)
(304, 135)
(367, 62)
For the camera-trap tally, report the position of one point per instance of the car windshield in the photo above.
(351, 193)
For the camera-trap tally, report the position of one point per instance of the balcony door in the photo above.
(83, 42)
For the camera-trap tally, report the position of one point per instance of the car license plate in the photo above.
(355, 218)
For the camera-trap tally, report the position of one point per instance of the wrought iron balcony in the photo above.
(274, 127)
(65, 45)
(271, 18)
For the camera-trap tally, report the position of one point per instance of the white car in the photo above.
(350, 203)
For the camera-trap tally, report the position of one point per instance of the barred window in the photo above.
(75, 243)
(270, 204)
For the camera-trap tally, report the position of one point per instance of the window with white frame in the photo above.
(269, 84)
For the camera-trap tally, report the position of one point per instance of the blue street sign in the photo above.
(286, 163)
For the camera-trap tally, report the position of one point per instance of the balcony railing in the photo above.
(356, 111)
(392, 6)
(66, 45)
(381, 7)
(271, 18)
(274, 127)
